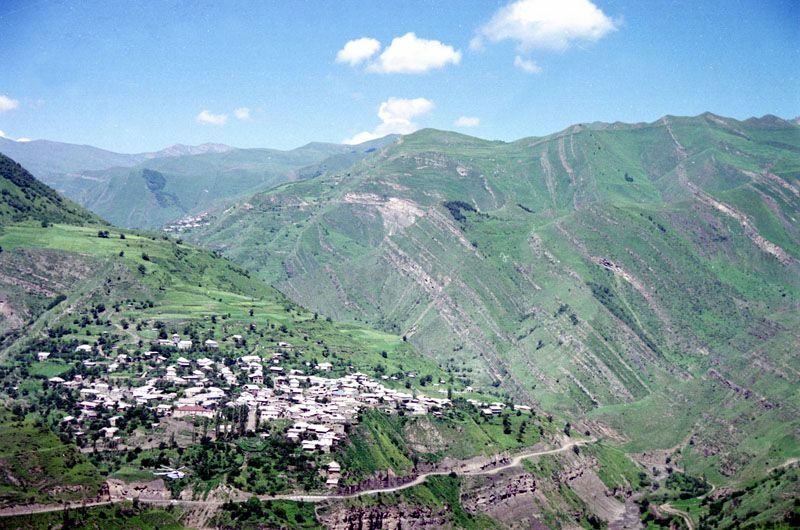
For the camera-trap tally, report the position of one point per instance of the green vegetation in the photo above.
(437, 498)
(643, 279)
(38, 467)
(637, 286)
(615, 468)
(381, 441)
(123, 516)
(23, 197)
(162, 189)
(254, 515)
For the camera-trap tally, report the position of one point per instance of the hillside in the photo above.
(641, 276)
(86, 316)
(118, 293)
(148, 190)
(22, 197)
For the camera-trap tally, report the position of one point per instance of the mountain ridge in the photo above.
(574, 270)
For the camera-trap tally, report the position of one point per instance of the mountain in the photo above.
(92, 306)
(148, 190)
(184, 150)
(46, 159)
(49, 160)
(86, 370)
(165, 189)
(643, 277)
(22, 197)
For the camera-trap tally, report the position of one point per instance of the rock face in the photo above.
(508, 497)
(384, 518)
(154, 489)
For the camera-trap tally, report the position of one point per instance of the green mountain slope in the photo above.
(164, 189)
(71, 283)
(22, 197)
(644, 276)
(116, 291)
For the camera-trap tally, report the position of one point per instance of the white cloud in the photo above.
(20, 140)
(545, 24)
(207, 118)
(242, 114)
(357, 51)
(6, 104)
(467, 121)
(527, 65)
(411, 55)
(397, 115)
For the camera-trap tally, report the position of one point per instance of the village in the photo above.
(316, 406)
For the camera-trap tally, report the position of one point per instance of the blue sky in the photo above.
(136, 76)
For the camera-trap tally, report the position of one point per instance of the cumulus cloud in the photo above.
(208, 118)
(396, 115)
(358, 50)
(411, 55)
(467, 121)
(242, 114)
(544, 24)
(527, 65)
(6, 104)
(3, 134)
(23, 140)
(408, 54)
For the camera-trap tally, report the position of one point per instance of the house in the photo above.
(109, 431)
(42, 356)
(211, 344)
(192, 411)
(184, 345)
(83, 348)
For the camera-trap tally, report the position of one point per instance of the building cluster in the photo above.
(186, 223)
(318, 407)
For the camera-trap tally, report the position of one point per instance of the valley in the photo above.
(593, 328)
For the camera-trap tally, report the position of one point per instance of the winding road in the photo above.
(419, 479)
(514, 462)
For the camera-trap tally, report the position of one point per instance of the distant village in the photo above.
(317, 407)
(188, 222)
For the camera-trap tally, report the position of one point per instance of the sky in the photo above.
(134, 76)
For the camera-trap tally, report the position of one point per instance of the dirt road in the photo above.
(514, 462)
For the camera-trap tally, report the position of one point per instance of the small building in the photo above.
(42, 356)
(193, 411)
